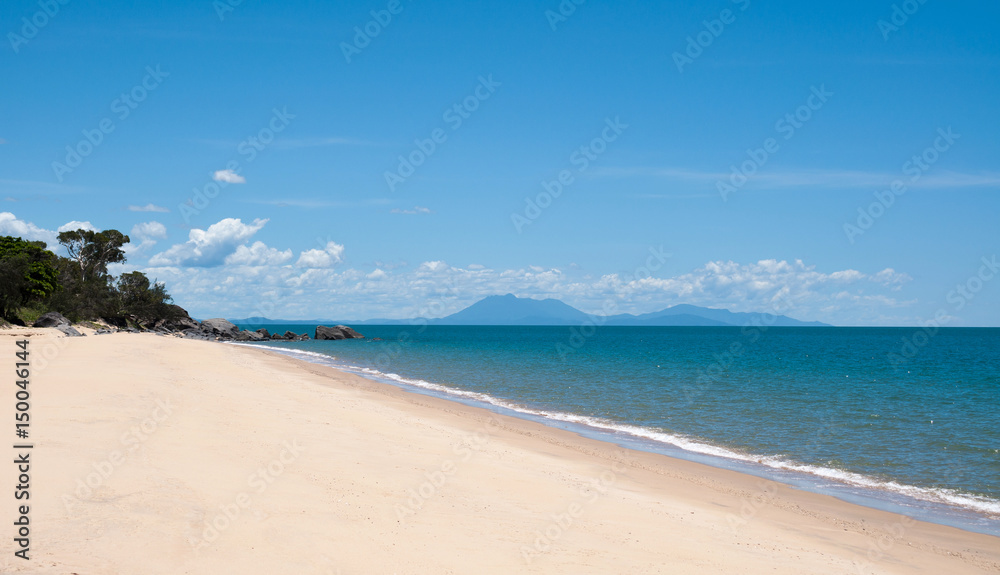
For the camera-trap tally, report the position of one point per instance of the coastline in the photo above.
(941, 506)
(315, 470)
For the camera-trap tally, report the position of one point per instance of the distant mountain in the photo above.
(682, 314)
(512, 310)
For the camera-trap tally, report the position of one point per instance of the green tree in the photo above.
(93, 251)
(144, 300)
(89, 291)
(28, 273)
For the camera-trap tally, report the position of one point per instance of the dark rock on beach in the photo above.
(336, 332)
(252, 335)
(58, 321)
(51, 319)
(220, 328)
(69, 330)
(181, 321)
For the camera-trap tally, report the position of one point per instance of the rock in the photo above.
(264, 333)
(336, 332)
(277, 336)
(182, 323)
(51, 319)
(291, 335)
(69, 330)
(247, 335)
(220, 328)
(114, 321)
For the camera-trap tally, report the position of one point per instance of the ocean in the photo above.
(902, 419)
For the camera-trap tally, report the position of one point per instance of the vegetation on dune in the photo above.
(33, 280)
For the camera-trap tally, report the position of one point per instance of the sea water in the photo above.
(902, 419)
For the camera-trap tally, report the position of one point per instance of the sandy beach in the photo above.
(158, 455)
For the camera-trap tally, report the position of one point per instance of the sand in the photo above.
(160, 455)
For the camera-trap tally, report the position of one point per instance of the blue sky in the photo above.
(644, 108)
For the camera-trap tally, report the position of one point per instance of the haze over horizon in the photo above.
(279, 161)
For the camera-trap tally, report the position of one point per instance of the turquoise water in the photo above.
(855, 412)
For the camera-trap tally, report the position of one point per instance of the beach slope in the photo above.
(160, 455)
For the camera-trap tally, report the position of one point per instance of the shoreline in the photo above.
(850, 487)
(374, 478)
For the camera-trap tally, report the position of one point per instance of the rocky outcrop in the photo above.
(336, 332)
(51, 319)
(58, 321)
(220, 328)
(247, 335)
(264, 333)
(69, 330)
(181, 322)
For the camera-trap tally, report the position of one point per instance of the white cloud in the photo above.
(147, 208)
(891, 278)
(229, 177)
(144, 236)
(11, 226)
(149, 231)
(413, 211)
(206, 248)
(324, 258)
(316, 287)
(75, 225)
(258, 254)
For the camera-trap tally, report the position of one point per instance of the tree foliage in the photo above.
(141, 299)
(27, 273)
(80, 286)
(93, 251)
